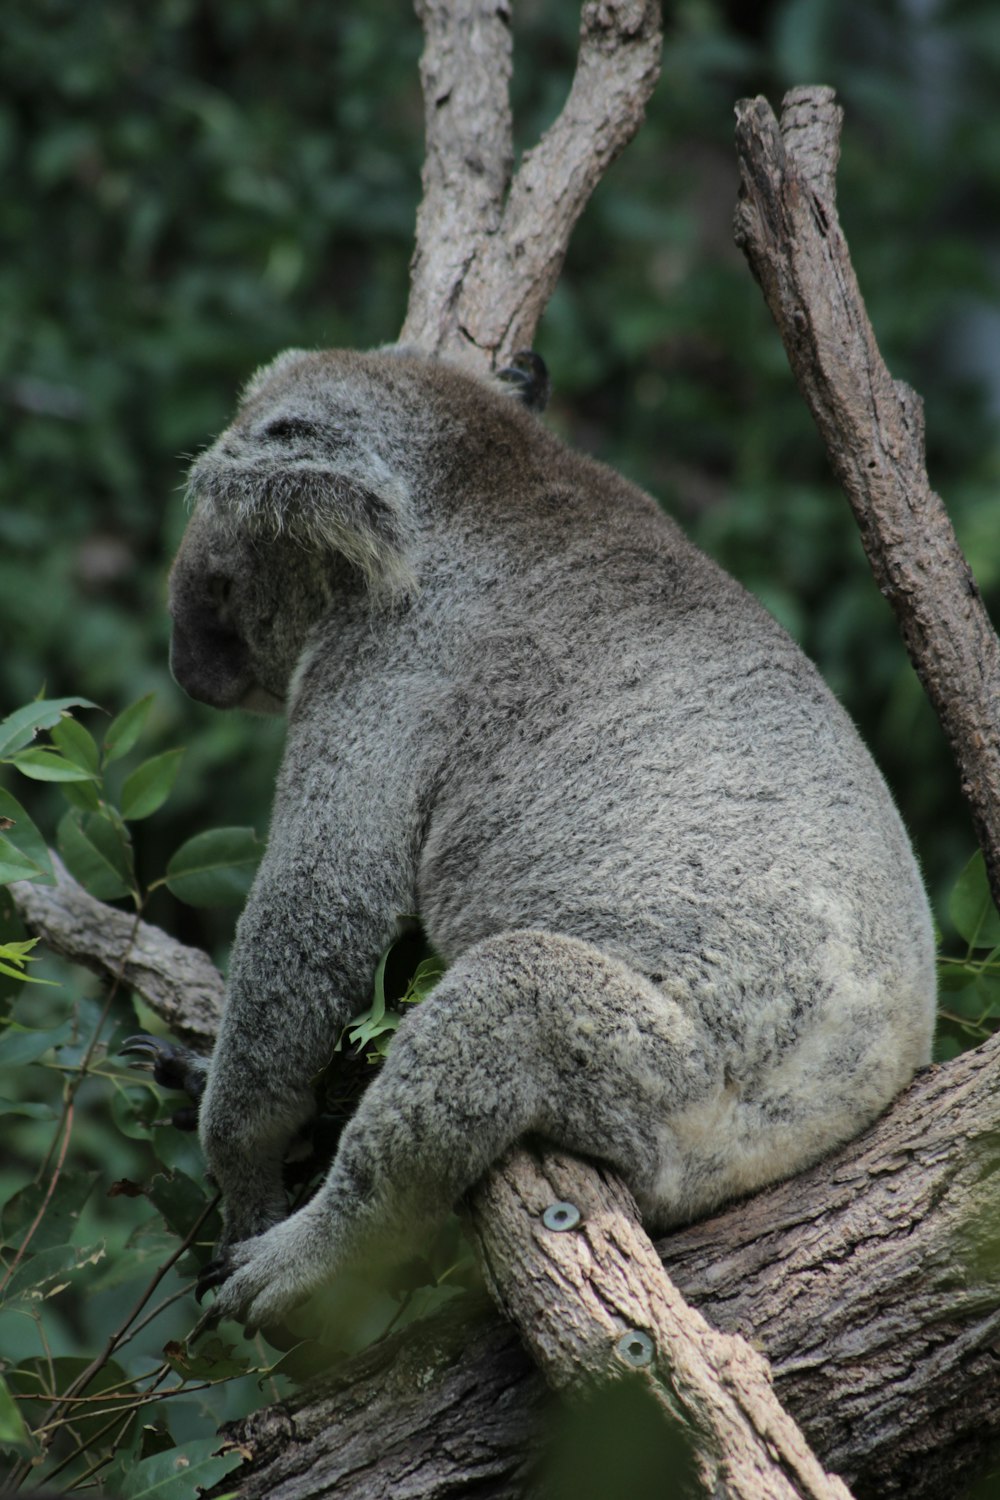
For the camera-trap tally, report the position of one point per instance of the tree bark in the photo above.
(872, 425)
(489, 250)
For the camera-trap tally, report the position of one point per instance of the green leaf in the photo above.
(178, 1473)
(30, 1111)
(371, 1027)
(23, 1044)
(14, 956)
(126, 729)
(425, 976)
(48, 765)
(77, 744)
(13, 1432)
(83, 795)
(62, 1210)
(212, 1360)
(971, 907)
(44, 1272)
(178, 1199)
(14, 865)
(216, 867)
(97, 853)
(149, 785)
(25, 837)
(20, 727)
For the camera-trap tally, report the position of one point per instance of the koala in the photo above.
(685, 931)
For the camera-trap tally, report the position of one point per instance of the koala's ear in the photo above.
(528, 378)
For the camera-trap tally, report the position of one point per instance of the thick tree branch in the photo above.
(592, 1301)
(787, 226)
(871, 1283)
(483, 270)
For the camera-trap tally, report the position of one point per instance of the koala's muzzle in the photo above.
(208, 658)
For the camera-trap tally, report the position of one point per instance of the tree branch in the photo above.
(787, 226)
(483, 271)
(592, 1301)
(181, 984)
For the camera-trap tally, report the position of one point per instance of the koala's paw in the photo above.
(257, 1281)
(173, 1067)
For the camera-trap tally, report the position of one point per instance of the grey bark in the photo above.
(489, 249)
(872, 425)
(181, 984)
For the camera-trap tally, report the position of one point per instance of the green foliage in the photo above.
(970, 982)
(103, 1230)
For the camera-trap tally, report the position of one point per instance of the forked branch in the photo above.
(486, 261)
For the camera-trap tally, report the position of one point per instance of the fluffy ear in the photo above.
(324, 506)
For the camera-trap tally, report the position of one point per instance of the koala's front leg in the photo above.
(296, 974)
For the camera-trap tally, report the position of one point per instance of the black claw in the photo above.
(212, 1275)
(185, 1118)
(528, 378)
(172, 1066)
(146, 1048)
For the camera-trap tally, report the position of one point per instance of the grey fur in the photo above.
(685, 929)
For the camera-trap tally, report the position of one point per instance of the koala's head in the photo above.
(314, 495)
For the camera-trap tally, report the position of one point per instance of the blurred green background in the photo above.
(191, 186)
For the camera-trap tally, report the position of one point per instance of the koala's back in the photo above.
(582, 726)
(645, 760)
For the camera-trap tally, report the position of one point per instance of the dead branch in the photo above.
(181, 984)
(872, 425)
(484, 268)
(591, 1299)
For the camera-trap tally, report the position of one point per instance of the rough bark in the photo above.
(487, 259)
(871, 1283)
(588, 1292)
(872, 425)
(181, 984)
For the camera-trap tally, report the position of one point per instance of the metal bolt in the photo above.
(636, 1348)
(561, 1216)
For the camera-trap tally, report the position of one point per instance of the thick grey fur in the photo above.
(685, 928)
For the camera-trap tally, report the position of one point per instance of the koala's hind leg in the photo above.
(527, 1033)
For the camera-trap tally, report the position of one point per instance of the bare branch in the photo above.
(787, 226)
(465, 76)
(593, 1302)
(483, 272)
(181, 984)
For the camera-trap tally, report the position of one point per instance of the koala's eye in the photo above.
(285, 428)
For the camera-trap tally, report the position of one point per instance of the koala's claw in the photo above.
(213, 1275)
(173, 1067)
